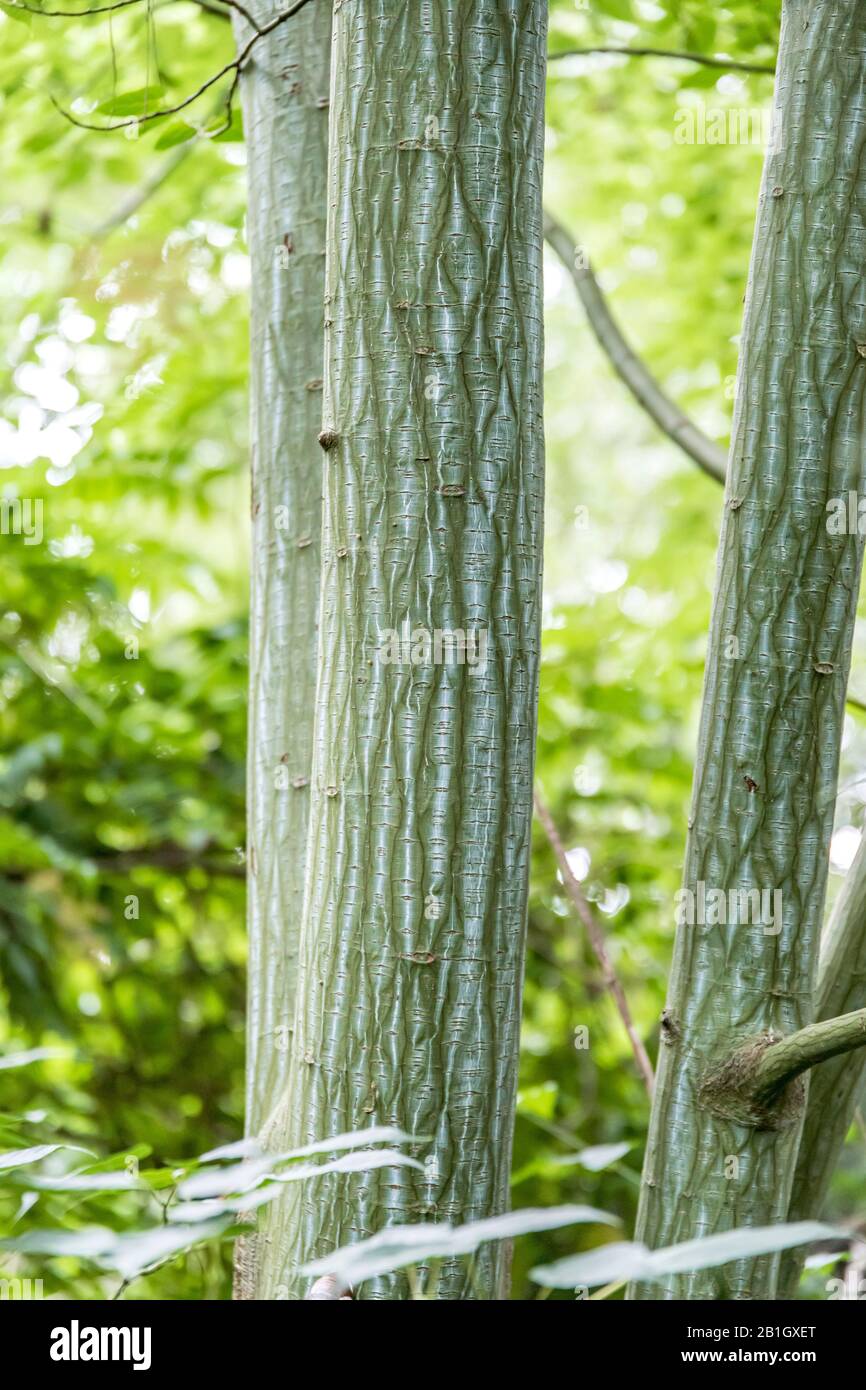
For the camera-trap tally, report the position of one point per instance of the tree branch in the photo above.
(625, 51)
(834, 1089)
(628, 366)
(787, 1059)
(596, 941)
(235, 67)
(636, 375)
(165, 856)
(123, 5)
(139, 196)
(758, 1084)
(70, 14)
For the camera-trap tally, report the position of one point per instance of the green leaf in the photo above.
(236, 1177)
(607, 1265)
(600, 1156)
(20, 1158)
(178, 133)
(241, 1178)
(142, 101)
(22, 16)
(353, 1139)
(620, 9)
(35, 1054)
(130, 1255)
(86, 1182)
(398, 1246)
(539, 1101)
(708, 1251)
(631, 1260)
(223, 134)
(87, 1244)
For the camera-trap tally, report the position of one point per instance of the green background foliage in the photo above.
(123, 409)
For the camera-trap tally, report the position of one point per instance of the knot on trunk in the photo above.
(735, 1090)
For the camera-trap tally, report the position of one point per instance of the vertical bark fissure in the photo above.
(414, 923)
(284, 91)
(778, 657)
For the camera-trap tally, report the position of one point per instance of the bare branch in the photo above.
(130, 206)
(70, 14)
(706, 60)
(596, 940)
(170, 857)
(628, 366)
(123, 5)
(236, 67)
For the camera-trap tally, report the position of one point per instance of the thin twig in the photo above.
(121, 5)
(637, 376)
(706, 60)
(236, 66)
(626, 363)
(70, 14)
(140, 195)
(596, 940)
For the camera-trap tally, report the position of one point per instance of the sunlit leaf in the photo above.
(243, 1178)
(176, 134)
(129, 1255)
(20, 1158)
(631, 1260)
(140, 102)
(33, 1054)
(600, 1156)
(398, 1246)
(353, 1139)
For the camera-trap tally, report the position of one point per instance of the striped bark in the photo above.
(777, 664)
(284, 91)
(413, 935)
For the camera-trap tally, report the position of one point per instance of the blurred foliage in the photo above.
(123, 408)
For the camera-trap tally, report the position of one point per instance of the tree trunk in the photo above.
(413, 935)
(777, 668)
(285, 102)
(835, 1087)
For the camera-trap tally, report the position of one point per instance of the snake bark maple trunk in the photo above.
(778, 658)
(835, 1087)
(413, 937)
(284, 90)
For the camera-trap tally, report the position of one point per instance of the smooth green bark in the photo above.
(778, 657)
(285, 102)
(835, 1087)
(413, 935)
